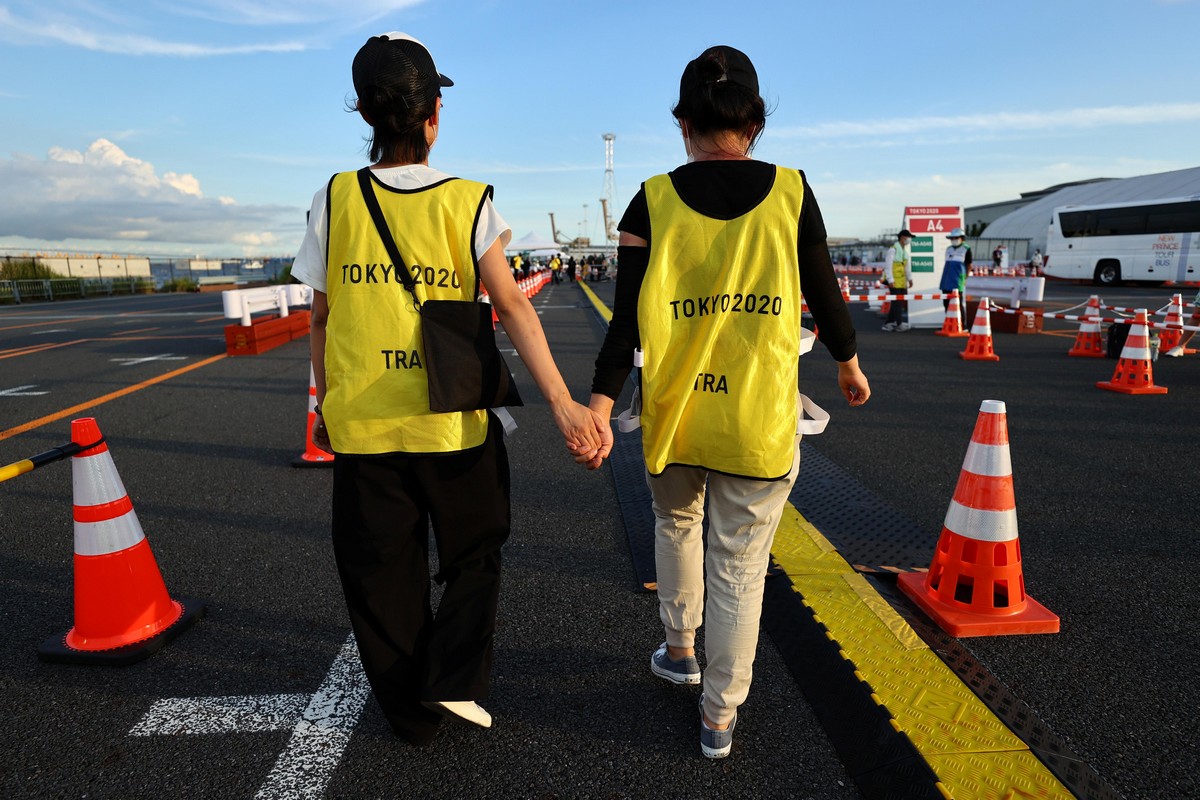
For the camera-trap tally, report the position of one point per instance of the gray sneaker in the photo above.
(685, 671)
(715, 744)
(889, 326)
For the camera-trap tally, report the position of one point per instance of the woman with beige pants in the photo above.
(712, 259)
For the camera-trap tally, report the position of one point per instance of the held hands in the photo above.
(600, 407)
(588, 437)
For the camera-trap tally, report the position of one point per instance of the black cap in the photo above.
(905, 232)
(385, 59)
(738, 70)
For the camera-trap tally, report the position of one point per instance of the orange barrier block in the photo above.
(979, 346)
(1088, 343)
(976, 583)
(1134, 374)
(123, 613)
(266, 333)
(312, 456)
(952, 323)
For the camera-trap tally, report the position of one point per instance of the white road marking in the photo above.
(321, 724)
(129, 362)
(56, 330)
(18, 391)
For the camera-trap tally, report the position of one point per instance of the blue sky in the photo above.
(180, 127)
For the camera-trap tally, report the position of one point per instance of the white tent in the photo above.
(532, 241)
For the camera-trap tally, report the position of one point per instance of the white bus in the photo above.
(1144, 240)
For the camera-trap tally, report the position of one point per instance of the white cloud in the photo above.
(104, 194)
(108, 27)
(994, 124)
(863, 208)
(287, 12)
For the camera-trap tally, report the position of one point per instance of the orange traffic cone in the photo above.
(979, 346)
(1169, 338)
(1087, 341)
(312, 456)
(122, 611)
(975, 585)
(1134, 374)
(952, 324)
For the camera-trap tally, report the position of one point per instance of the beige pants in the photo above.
(743, 516)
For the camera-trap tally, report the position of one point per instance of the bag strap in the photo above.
(385, 233)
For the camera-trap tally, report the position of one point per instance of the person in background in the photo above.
(571, 268)
(898, 276)
(1037, 262)
(954, 273)
(399, 466)
(719, 395)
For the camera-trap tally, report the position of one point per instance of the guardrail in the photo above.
(48, 289)
(241, 303)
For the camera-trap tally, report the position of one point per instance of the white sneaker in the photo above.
(889, 326)
(903, 326)
(1174, 352)
(467, 710)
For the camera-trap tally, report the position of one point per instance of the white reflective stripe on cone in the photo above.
(985, 526)
(94, 480)
(993, 460)
(110, 536)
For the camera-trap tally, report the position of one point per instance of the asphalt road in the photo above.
(1106, 490)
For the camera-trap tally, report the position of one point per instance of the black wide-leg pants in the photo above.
(382, 509)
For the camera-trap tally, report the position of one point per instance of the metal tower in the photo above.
(610, 189)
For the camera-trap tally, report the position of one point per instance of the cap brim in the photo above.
(444, 81)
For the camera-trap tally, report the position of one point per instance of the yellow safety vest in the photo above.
(377, 397)
(719, 318)
(899, 260)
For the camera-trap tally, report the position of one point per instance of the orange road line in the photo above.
(50, 322)
(156, 338)
(210, 319)
(37, 348)
(139, 330)
(172, 309)
(66, 412)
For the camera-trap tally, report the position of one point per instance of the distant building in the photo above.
(1025, 222)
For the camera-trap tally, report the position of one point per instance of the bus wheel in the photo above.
(1108, 273)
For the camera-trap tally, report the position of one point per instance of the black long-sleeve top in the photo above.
(721, 190)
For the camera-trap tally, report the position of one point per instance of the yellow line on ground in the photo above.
(66, 412)
(972, 751)
(601, 309)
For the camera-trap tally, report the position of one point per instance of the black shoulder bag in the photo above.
(463, 366)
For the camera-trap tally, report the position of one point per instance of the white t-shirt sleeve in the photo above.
(309, 264)
(491, 227)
